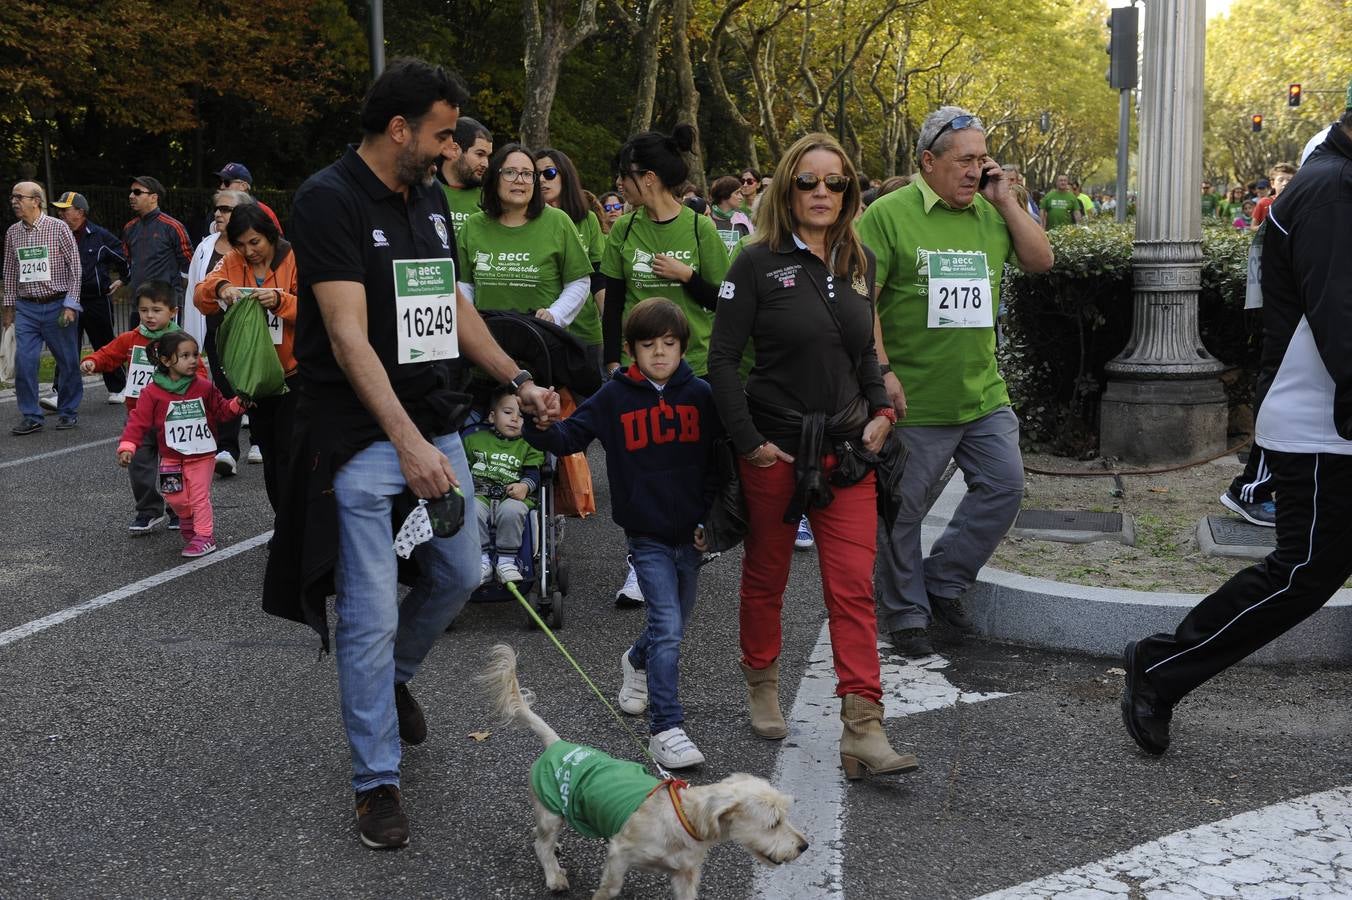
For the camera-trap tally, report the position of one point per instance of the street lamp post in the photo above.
(1164, 401)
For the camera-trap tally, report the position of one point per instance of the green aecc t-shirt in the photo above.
(499, 460)
(947, 370)
(1059, 208)
(634, 241)
(586, 327)
(594, 792)
(464, 202)
(522, 268)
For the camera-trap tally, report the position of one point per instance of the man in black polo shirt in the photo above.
(380, 331)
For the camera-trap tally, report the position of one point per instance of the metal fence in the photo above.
(191, 206)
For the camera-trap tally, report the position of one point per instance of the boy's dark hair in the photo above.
(652, 151)
(653, 318)
(468, 130)
(159, 291)
(723, 188)
(250, 215)
(166, 347)
(491, 203)
(408, 87)
(571, 196)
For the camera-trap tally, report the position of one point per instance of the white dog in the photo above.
(663, 826)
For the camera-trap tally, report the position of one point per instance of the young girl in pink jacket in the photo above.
(182, 407)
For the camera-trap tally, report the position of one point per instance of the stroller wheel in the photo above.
(556, 610)
(534, 600)
(561, 577)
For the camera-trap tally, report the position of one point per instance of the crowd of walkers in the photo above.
(835, 336)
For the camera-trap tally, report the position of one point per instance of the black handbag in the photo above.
(726, 523)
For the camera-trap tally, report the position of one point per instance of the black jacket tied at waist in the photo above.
(818, 435)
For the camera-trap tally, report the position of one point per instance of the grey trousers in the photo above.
(144, 473)
(509, 525)
(987, 452)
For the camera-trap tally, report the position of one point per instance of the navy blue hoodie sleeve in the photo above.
(573, 434)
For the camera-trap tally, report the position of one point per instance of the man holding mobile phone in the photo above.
(942, 243)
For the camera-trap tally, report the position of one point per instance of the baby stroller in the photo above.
(557, 359)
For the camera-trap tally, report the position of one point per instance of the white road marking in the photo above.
(808, 766)
(1300, 848)
(22, 631)
(62, 452)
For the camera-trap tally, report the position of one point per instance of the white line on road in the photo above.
(808, 766)
(63, 451)
(1300, 848)
(131, 590)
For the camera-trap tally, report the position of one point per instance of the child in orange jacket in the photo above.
(180, 405)
(157, 306)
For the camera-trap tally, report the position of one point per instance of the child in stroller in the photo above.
(506, 474)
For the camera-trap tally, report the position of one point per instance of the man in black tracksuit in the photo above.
(1305, 428)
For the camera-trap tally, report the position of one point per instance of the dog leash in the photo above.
(667, 777)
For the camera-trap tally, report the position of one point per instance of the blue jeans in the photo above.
(668, 576)
(34, 325)
(378, 640)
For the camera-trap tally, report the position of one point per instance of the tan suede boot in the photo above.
(763, 685)
(863, 745)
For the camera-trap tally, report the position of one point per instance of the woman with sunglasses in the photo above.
(612, 205)
(801, 291)
(751, 184)
(519, 254)
(562, 189)
(204, 259)
(733, 225)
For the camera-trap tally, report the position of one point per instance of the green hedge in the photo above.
(1060, 328)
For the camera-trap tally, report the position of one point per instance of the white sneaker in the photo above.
(49, 402)
(115, 399)
(485, 569)
(633, 694)
(507, 570)
(244, 421)
(225, 464)
(255, 454)
(629, 595)
(673, 749)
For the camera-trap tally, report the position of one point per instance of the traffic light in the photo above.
(1293, 95)
(1257, 120)
(1122, 29)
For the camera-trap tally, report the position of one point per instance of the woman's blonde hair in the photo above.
(775, 225)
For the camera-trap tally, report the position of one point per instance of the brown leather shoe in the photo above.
(380, 818)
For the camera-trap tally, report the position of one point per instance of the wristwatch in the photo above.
(519, 381)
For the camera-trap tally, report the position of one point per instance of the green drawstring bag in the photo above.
(247, 353)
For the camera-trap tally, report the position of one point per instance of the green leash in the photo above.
(511, 588)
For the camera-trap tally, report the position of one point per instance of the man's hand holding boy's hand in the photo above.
(87, 366)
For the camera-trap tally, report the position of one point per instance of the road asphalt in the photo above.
(171, 740)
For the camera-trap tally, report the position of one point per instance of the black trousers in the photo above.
(227, 434)
(1257, 605)
(1254, 484)
(96, 322)
(270, 428)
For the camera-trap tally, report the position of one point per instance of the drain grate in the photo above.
(1228, 531)
(1068, 520)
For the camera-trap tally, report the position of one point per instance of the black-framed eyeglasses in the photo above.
(517, 174)
(807, 181)
(957, 123)
(136, 192)
(612, 207)
(23, 196)
(225, 209)
(632, 173)
(549, 173)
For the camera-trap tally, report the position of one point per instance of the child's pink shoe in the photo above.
(200, 545)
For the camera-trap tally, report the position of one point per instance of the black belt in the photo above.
(52, 299)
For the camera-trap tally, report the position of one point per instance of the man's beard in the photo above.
(465, 175)
(412, 167)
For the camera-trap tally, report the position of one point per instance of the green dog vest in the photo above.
(595, 793)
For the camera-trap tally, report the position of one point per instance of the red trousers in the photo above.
(846, 534)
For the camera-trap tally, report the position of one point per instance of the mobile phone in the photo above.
(985, 179)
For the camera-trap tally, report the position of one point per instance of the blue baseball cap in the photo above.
(236, 172)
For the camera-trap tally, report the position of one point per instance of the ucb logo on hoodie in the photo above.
(660, 424)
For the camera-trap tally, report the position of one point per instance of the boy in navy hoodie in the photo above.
(657, 423)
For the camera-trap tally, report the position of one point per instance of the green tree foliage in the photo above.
(1253, 53)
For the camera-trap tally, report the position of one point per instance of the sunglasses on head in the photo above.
(836, 184)
(549, 173)
(957, 123)
(612, 207)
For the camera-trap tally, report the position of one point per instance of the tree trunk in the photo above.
(548, 41)
(685, 80)
(648, 35)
